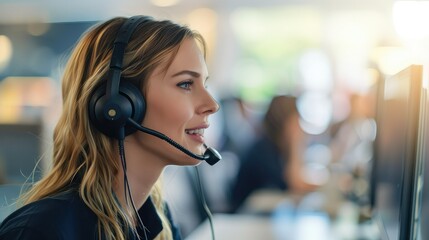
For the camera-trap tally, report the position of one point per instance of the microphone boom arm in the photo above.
(211, 156)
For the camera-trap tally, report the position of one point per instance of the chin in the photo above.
(181, 159)
(188, 161)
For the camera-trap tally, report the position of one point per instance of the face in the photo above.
(179, 105)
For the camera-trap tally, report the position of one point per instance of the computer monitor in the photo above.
(422, 192)
(395, 158)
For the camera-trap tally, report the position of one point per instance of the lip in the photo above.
(202, 126)
(197, 137)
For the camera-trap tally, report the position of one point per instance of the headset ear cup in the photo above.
(135, 97)
(95, 110)
(128, 104)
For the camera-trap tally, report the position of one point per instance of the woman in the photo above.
(93, 191)
(274, 160)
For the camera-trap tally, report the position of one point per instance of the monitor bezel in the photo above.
(409, 193)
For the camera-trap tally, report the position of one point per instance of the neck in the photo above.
(143, 170)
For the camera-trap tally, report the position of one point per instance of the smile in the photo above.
(197, 134)
(199, 131)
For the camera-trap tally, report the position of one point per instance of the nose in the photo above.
(209, 104)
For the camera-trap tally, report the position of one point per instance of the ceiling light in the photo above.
(164, 3)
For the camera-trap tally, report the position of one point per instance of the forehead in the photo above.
(188, 57)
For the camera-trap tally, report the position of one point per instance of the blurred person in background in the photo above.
(237, 115)
(92, 190)
(274, 161)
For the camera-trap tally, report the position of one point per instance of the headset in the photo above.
(116, 101)
(116, 108)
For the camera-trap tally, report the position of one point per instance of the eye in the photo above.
(185, 85)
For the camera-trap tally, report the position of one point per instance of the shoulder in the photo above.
(262, 149)
(49, 218)
(262, 144)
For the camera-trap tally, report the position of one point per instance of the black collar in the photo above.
(151, 221)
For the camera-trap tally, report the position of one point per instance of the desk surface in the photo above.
(234, 227)
(285, 224)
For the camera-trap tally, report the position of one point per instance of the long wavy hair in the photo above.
(81, 153)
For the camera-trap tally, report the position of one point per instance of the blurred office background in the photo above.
(328, 53)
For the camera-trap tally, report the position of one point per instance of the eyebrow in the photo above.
(189, 72)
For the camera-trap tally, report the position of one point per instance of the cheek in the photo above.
(166, 114)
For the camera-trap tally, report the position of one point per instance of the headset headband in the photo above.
(121, 41)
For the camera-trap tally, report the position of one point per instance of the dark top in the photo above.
(261, 167)
(65, 216)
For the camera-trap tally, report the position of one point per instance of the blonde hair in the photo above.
(81, 154)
